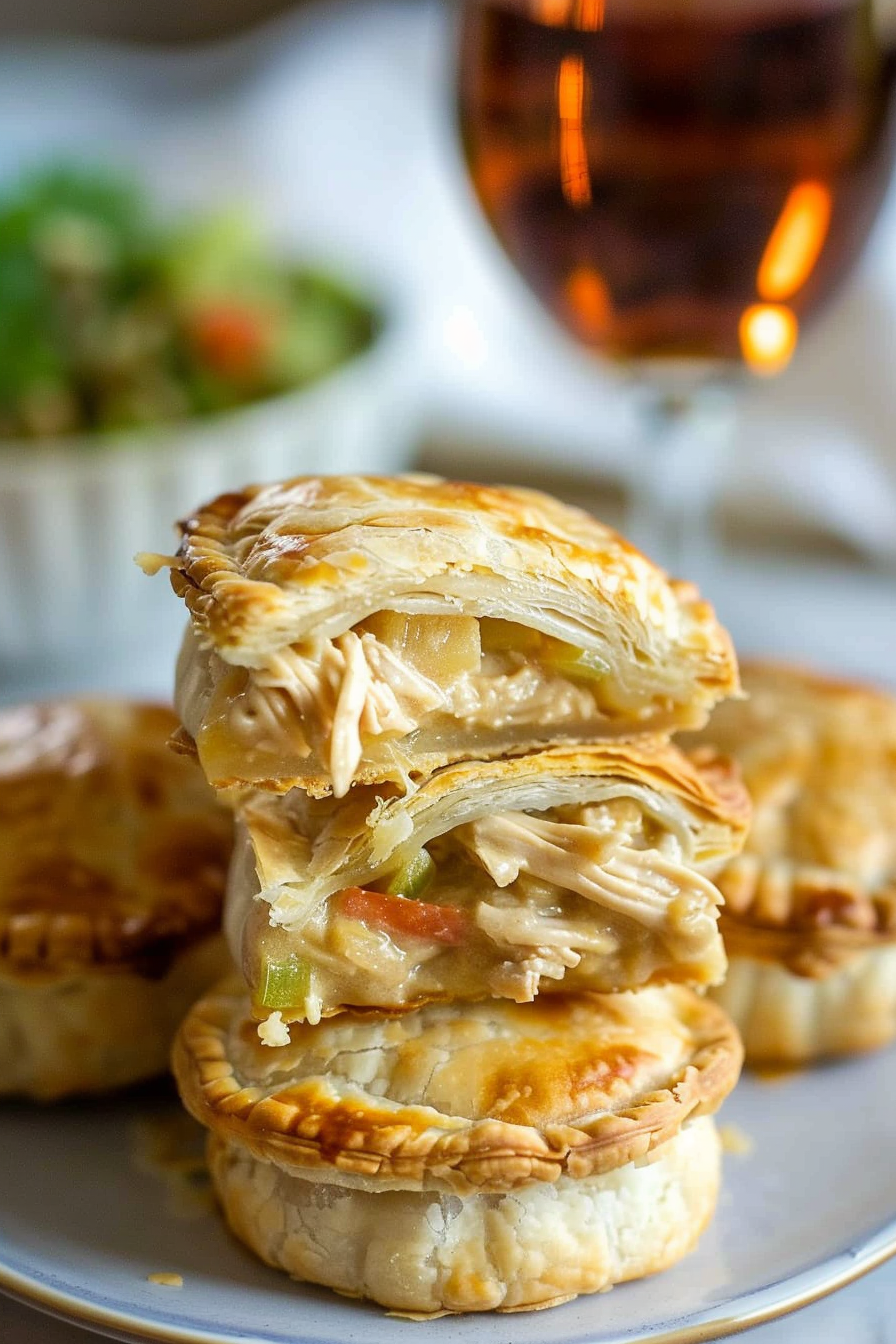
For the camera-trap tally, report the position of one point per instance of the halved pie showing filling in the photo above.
(395, 697)
(350, 630)
(572, 868)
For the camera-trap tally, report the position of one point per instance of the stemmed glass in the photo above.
(682, 183)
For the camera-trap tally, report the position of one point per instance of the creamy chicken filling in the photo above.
(355, 698)
(596, 897)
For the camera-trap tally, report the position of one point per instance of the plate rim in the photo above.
(761, 1306)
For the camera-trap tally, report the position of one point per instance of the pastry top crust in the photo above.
(484, 1096)
(306, 849)
(817, 880)
(113, 850)
(270, 566)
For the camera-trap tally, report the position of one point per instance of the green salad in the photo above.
(111, 320)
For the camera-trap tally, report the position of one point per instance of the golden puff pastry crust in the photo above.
(429, 1252)
(788, 1019)
(284, 567)
(809, 920)
(114, 851)
(92, 1031)
(460, 1098)
(816, 883)
(113, 859)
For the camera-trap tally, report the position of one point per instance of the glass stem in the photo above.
(676, 475)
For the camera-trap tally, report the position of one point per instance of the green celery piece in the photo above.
(413, 878)
(581, 664)
(285, 983)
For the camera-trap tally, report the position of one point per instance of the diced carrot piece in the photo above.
(416, 919)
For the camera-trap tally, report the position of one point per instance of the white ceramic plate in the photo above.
(88, 1211)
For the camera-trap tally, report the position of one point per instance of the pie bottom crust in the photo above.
(792, 1019)
(95, 1030)
(429, 1252)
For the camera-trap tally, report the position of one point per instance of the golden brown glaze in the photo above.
(113, 851)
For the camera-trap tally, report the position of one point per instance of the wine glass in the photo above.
(682, 183)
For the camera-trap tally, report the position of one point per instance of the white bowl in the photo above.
(73, 512)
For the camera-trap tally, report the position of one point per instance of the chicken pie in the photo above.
(809, 920)
(571, 868)
(113, 859)
(466, 1157)
(356, 629)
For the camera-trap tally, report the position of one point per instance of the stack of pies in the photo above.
(471, 893)
(810, 914)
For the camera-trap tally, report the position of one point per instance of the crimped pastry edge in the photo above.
(808, 917)
(470, 1155)
(40, 946)
(822, 918)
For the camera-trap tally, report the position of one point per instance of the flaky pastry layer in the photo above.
(97, 1030)
(431, 1252)
(488, 1096)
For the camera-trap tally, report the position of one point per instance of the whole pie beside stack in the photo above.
(810, 906)
(471, 896)
(113, 861)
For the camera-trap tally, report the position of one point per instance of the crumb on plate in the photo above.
(735, 1141)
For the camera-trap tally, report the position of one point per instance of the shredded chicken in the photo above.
(518, 980)
(518, 893)
(262, 717)
(351, 688)
(525, 926)
(641, 884)
(340, 694)
(540, 947)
